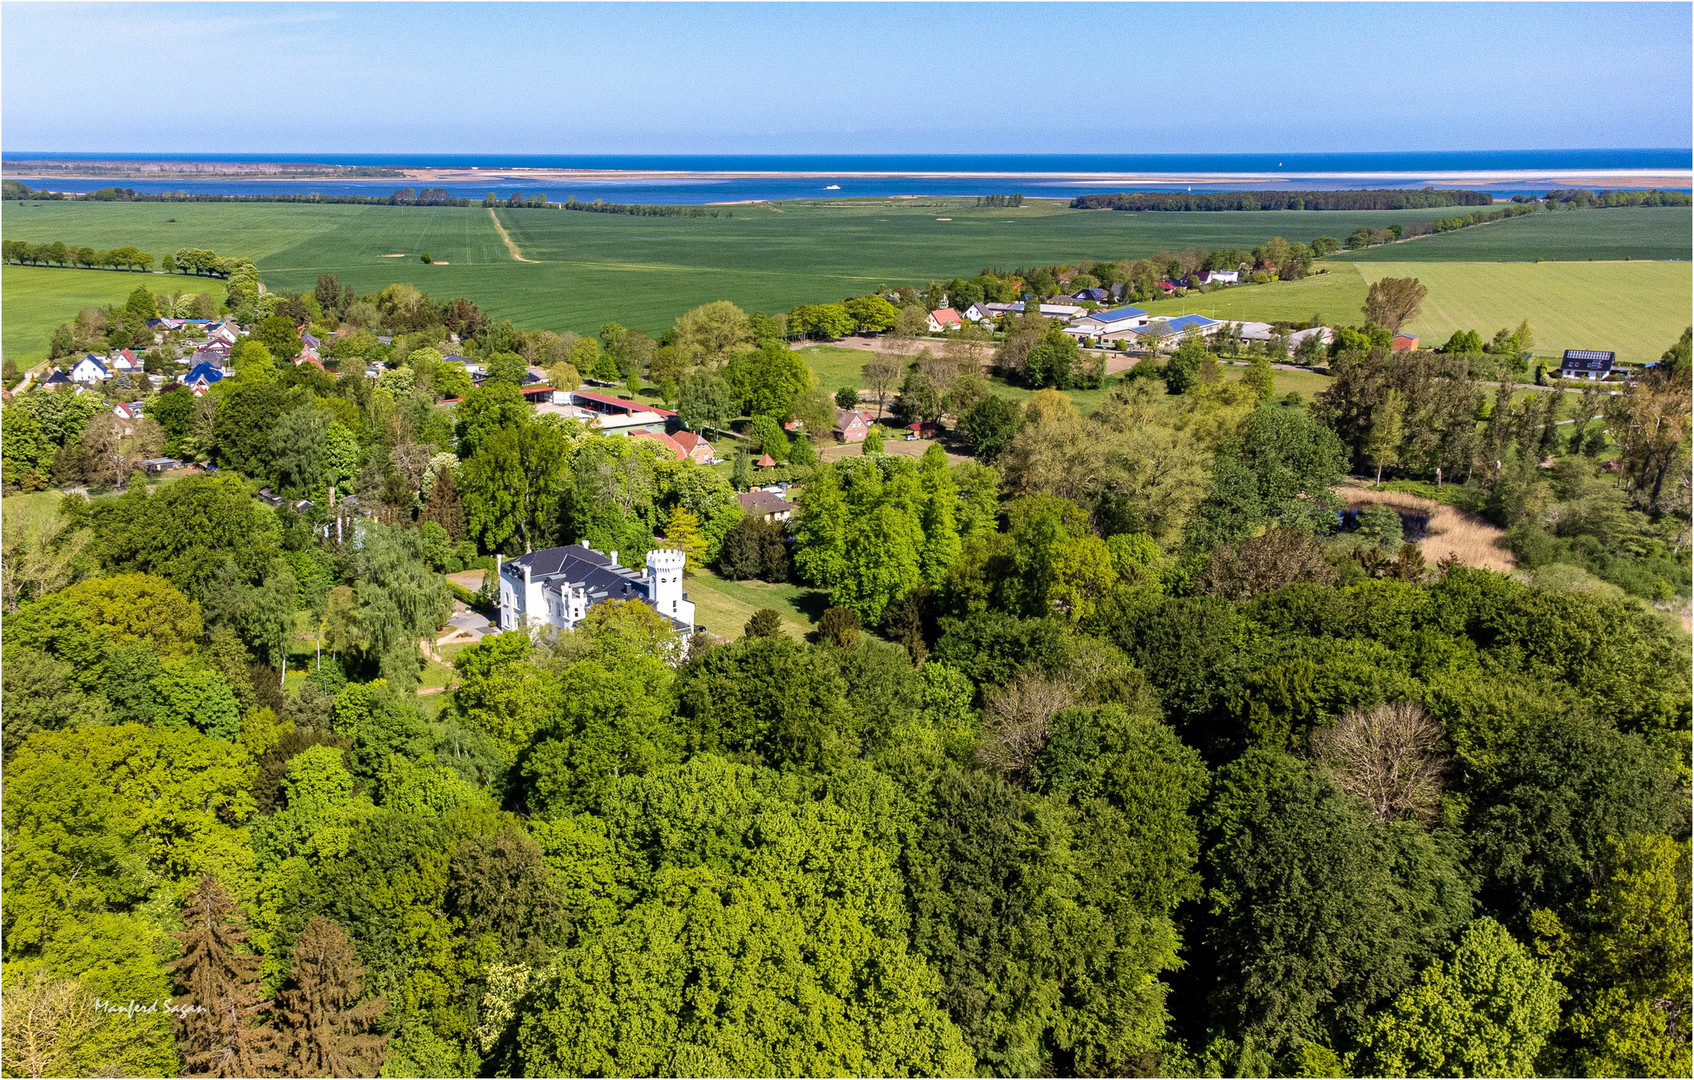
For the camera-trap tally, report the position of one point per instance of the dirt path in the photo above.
(506, 237)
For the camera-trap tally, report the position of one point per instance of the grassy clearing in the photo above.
(1636, 309)
(836, 367)
(723, 606)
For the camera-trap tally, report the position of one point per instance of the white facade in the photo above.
(89, 370)
(556, 587)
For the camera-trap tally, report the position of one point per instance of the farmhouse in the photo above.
(851, 425)
(1586, 364)
(1405, 343)
(555, 587)
(944, 319)
(765, 505)
(695, 446)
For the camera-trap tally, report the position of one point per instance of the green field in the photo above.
(1635, 309)
(1633, 232)
(640, 271)
(644, 271)
(36, 299)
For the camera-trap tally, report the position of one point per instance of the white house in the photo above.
(89, 370)
(556, 586)
(1590, 364)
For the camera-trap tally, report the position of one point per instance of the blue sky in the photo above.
(842, 78)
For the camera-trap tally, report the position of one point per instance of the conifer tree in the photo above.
(444, 507)
(324, 1026)
(216, 1033)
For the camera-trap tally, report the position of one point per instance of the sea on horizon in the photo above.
(727, 178)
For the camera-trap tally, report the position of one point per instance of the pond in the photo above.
(1414, 524)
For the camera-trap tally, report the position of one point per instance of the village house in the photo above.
(555, 587)
(851, 425)
(89, 370)
(942, 320)
(202, 375)
(1090, 296)
(695, 447)
(673, 447)
(1404, 343)
(1587, 364)
(765, 505)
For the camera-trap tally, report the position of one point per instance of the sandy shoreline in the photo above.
(1605, 178)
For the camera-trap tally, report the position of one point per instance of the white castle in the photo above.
(556, 586)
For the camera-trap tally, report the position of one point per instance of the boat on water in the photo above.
(833, 187)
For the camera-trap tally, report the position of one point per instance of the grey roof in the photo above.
(581, 566)
(1588, 360)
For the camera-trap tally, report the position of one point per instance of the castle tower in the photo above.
(664, 583)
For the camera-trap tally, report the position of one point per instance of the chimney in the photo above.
(613, 556)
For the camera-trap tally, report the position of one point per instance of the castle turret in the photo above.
(664, 583)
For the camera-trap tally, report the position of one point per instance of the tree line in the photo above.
(58, 253)
(1380, 199)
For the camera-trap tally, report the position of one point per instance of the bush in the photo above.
(1380, 524)
(840, 627)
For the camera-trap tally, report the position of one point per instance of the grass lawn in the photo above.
(594, 268)
(1635, 309)
(723, 606)
(836, 367)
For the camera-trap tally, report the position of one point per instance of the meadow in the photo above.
(644, 271)
(1638, 232)
(1635, 309)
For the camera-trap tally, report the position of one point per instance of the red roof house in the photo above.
(1405, 343)
(664, 440)
(851, 425)
(944, 319)
(695, 446)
